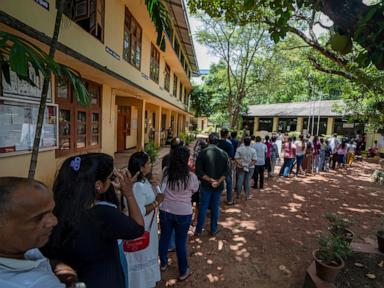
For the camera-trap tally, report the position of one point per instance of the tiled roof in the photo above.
(297, 109)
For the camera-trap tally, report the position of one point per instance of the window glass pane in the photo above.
(18, 123)
(64, 129)
(62, 90)
(81, 129)
(94, 92)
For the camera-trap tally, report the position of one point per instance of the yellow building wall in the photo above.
(109, 121)
(255, 125)
(131, 140)
(330, 125)
(275, 124)
(18, 165)
(300, 123)
(42, 20)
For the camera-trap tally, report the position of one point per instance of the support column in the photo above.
(300, 123)
(255, 125)
(158, 126)
(330, 125)
(174, 128)
(168, 119)
(140, 125)
(275, 125)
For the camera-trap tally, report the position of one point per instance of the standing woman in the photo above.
(316, 154)
(178, 185)
(289, 150)
(274, 155)
(86, 235)
(143, 266)
(301, 147)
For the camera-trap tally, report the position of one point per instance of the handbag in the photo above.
(141, 242)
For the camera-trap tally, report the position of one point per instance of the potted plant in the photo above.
(380, 235)
(338, 226)
(153, 152)
(329, 257)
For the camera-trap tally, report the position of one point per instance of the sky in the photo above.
(204, 59)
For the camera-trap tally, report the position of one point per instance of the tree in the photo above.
(353, 20)
(237, 47)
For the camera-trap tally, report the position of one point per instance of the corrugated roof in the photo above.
(178, 11)
(326, 108)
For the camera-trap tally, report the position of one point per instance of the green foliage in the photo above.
(337, 224)
(331, 248)
(201, 101)
(366, 29)
(159, 16)
(381, 223)
(18, 54)
(187, 138)
(152, 150)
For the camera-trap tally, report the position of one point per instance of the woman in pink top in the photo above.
(289, 150)
(178, 185)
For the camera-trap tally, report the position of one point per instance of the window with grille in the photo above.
(79, 127)
(167, 77)
(154, 64)
(132, 40)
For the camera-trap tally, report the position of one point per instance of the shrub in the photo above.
(152, 150)
(378, 176)
(337, 224)
(331, 248)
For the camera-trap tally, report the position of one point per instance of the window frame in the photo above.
(72, 105)
(154, 66)
(129, 20)
(167, 77)
(175, 85)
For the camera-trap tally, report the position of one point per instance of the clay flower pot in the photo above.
(380, 240)
(325, 270)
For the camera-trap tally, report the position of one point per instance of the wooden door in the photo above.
(121, 132)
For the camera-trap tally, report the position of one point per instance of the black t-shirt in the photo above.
(93, 250)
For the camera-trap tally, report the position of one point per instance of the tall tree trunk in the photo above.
(44, 92)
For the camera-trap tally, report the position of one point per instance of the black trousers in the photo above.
(259, 171)
(268, 164)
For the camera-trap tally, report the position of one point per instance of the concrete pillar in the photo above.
(300, 123)
(330, 125)
(174, 128)
(158, 126)
(275, 125)
(168, 119)
(255, 125)
(141, 125)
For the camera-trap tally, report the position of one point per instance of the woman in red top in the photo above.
(289, 150)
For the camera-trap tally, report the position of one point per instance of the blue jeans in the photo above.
(322, 160)
(299, 161)
(286, 169)
(244, 178)
(208, 198)
(180, 224)
(171, 244)
(228, 184)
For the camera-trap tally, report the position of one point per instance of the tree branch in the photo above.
(341, 73)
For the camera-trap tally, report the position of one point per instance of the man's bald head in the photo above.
(9, 185)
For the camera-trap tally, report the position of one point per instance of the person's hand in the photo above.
(124, 181)
(215, 184)
(65, 274)
(160, 197)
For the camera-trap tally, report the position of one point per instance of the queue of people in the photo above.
(99, 224)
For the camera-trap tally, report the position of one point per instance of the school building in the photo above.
(316, 118)
(139, 92)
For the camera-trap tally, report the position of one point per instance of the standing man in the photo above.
(212, 168)
(26, 222)
(261, 153)
(225, 144)
(333, 145)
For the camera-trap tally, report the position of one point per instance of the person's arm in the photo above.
(153, 205)
(125, 184)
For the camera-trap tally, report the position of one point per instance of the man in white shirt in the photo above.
(261, 152)
(245, 159)
(333, 144)
(26, 222)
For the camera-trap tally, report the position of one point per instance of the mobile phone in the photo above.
(159, 190)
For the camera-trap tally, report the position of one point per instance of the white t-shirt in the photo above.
(300, 147)
(261, 150)
(246, 154)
